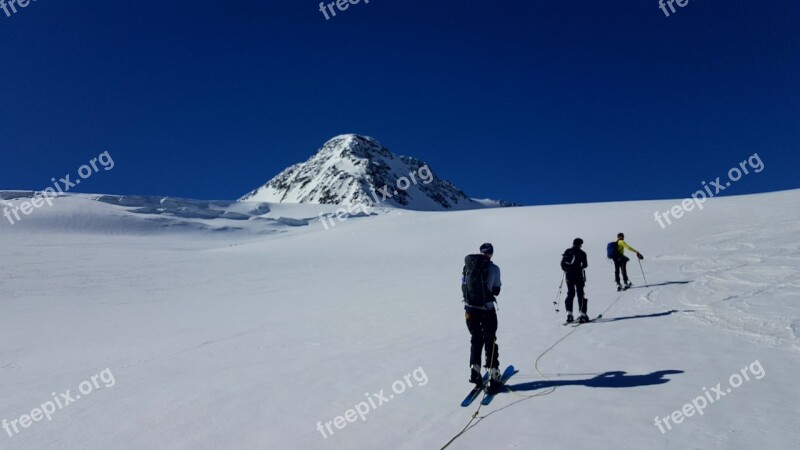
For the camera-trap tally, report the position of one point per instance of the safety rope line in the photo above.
(536, 367)
(536, 363)
(480, 404)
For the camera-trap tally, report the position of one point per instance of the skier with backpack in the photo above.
(616, 252)
(574, 263)
(480, 284)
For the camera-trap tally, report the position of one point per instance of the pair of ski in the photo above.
(577, 323)
(476, 391)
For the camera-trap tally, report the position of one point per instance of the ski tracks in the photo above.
(749, 288)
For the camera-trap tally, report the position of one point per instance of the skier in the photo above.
(480, 284)
(621, 261)
(574, 263)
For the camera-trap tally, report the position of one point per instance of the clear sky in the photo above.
(529, 101)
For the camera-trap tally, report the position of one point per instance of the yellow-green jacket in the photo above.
(622, 245)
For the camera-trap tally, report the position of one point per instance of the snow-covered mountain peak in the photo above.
(355, 169)
(353, 146)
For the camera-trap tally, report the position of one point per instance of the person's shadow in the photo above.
(615, 379)
(640, 316)
(666, 283)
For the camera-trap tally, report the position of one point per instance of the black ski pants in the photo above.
(482, 326)
(572, 287)
(621, 263)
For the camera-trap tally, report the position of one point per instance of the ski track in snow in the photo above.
(728, 287)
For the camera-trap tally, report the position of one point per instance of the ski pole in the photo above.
(644, 277)
(558, 295)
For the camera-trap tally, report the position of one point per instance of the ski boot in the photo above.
(495, 381)
(475, 375)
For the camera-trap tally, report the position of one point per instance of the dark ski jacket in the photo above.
(573, 261)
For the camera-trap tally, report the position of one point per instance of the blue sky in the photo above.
(529, 101)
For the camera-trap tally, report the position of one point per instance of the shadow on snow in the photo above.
(666, 283)
(615, 379)
(640, 316)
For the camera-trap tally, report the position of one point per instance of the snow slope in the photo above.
(226, 332)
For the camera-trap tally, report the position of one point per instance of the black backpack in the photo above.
(473, 280)
(569, 261)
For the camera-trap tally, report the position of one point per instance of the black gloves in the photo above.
(496, 291)
(640, 256)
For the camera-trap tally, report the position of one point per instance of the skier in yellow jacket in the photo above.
(621, 261)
